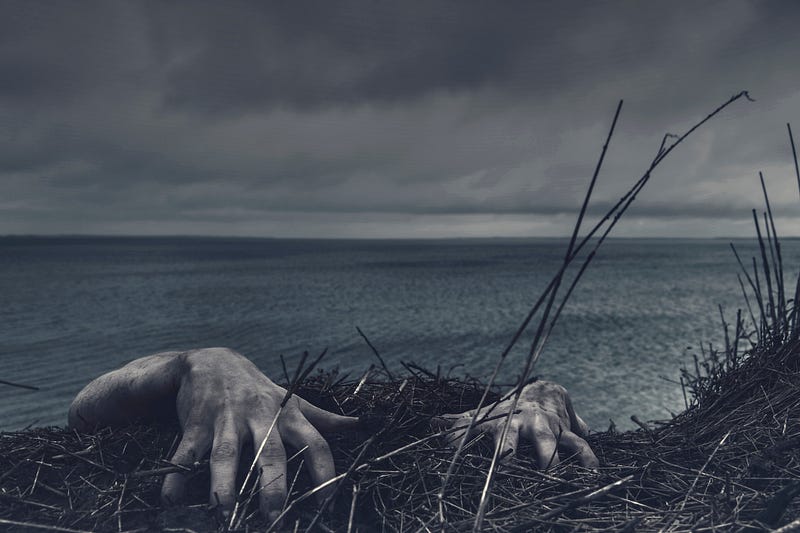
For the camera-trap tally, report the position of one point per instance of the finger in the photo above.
(544, 441)
(576, 423)
(299, 433)
(272, 466)
(194, 445)
(325, 421)
(224, 463)
(509, 445)
(576, 445)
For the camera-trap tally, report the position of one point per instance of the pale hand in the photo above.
(223, 400)
(544, 416)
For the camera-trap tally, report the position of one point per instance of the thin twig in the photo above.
(18, 385)
(377, 354)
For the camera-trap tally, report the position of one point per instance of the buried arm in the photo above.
(544, 416)
(223, 401)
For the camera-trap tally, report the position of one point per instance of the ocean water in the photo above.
(73, 308)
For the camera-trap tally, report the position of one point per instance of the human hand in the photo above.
(223, 400)
(544, 416)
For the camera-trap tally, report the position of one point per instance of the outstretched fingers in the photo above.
(194, 445)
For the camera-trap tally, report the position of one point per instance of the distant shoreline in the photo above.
(98, 237)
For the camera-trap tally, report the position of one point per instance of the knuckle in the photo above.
(538, 419)
(273, 451)
(272, 485)
(185, 456)
(190, 450)
(194, 435)
(192, 427)
(224, 450)
(257, 398)
(542, 433)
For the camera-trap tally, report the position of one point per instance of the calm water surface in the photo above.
(74, 308)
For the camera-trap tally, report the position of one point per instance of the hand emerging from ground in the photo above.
(544, 416)
(223, 400)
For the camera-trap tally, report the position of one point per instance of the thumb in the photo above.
(325, 421)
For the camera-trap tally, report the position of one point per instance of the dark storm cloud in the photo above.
(57, 53)
(339, 118)
(315, 54)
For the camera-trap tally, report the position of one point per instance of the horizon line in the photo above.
(355, 238)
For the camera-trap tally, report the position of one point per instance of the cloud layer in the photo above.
(372, 119)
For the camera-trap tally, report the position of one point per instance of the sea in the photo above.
(76, 307)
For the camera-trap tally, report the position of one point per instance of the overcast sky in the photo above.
(390, 118)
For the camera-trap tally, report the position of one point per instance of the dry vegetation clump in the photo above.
(730, 461)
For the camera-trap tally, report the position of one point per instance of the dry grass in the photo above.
(731, 460)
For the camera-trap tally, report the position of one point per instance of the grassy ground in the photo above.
(731, 461)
